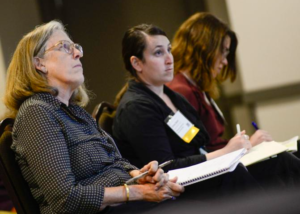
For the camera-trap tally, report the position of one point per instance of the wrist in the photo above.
(136, 192)
(127, 192)
(224, 150)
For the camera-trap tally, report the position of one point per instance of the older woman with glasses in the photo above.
(70, 165)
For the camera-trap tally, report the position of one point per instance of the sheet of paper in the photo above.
(291, 144)
(262, 152)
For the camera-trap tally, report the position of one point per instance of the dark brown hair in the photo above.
(134, 44)
(196, 46)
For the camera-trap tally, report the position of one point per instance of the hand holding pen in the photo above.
(247, 144)
(255, 125)
(140, 176)
(259, 136)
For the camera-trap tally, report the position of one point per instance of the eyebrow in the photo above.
(159, 46)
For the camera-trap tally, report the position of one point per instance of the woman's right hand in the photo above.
(239, 141)
(170, 189)
(155, 175)
(145, 191)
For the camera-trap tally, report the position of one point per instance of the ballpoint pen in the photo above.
(132, 180)
(238, 129)
(255, 125)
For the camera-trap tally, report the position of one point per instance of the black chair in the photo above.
(104, 114)
(14, 182)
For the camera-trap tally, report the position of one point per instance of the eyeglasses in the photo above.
(67, 46)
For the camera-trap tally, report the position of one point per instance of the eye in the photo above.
(169, 49)
(158, 53)
(66, 46)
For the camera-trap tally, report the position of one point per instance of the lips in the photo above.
(78, 65)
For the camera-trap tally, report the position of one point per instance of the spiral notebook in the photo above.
(208, 169)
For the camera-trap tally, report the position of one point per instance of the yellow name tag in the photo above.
(189, 136)
(182, 127)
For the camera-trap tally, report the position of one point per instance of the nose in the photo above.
(77, 53)
(169, 58)
(225, 61)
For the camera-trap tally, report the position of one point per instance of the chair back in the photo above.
(104, 114)
(13, 180)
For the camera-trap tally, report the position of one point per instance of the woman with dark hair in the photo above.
(204, 54)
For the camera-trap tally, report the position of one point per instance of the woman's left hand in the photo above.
(260, 136)
(155, 174)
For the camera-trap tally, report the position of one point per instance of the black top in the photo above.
(142, 134)
(66, 160)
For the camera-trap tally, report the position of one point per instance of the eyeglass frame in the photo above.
(72, 45)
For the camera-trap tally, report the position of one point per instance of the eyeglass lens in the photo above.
(69, 47)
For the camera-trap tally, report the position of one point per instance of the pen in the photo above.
(132, 180)
(238, 128)
(255, 125)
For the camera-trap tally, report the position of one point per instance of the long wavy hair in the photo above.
(195, 48)
(24, 80)
(134, 44)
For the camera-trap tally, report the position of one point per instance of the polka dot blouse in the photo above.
(66, 160)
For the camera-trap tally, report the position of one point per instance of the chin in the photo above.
(82, 80)
(169, 79)
(79, 81)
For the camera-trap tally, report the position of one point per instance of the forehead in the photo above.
(157, 40)
(57, 36)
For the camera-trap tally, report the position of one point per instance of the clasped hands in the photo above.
(158, 186)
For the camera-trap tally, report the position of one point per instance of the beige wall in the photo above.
(280, 117)
(269, 41)
(268, 58)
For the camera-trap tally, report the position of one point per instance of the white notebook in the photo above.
(265, 150)
(291, 144)
(208, 169)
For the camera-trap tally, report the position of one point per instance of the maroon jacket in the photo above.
(212, 120)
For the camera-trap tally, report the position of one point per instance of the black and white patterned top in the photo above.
(66, 160)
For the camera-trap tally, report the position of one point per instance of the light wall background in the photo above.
(268, 59)
(269, 42)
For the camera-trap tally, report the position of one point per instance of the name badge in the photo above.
(182, 126)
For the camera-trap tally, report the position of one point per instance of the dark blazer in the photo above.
(142, 134)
